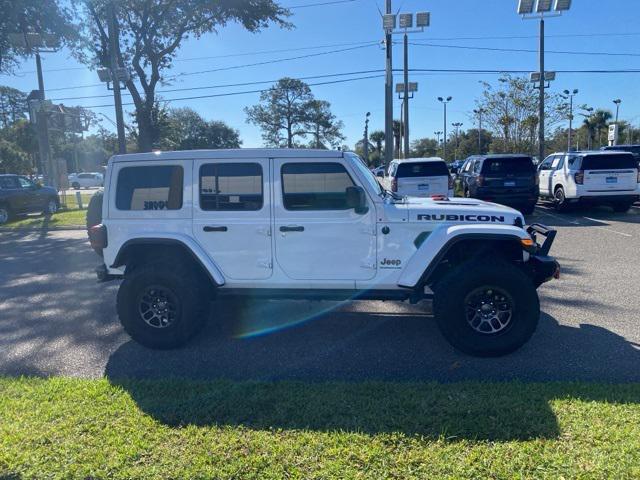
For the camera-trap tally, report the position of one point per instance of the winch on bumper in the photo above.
(542, 267)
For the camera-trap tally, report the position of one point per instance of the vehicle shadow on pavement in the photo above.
(374, 373)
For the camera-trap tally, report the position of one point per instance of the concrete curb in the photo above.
(43, 229)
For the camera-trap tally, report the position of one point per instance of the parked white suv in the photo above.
(419, 177)
(86, 180)
(186, 227)
(593, 177)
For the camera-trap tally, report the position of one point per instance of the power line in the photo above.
(229, 94)
(334, 2)
(524, 50)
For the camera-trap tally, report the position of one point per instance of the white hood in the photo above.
(461, 210)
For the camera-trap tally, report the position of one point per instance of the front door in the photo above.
(232, 216)
(544, 175)
(317, 236)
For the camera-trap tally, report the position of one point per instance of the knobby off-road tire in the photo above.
(477, 291)
(162, 305)
(94, 210)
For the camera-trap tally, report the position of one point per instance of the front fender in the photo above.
(164, 238)
(435, 247)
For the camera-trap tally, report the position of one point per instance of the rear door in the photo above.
(423, 179)
(232, 216)
(611, 172)
(14, 194)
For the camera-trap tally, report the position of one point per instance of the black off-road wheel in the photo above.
(486, 309)
(162, 305)
(622, 207)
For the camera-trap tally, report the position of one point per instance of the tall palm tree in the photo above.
(377, 137)
(601, 119)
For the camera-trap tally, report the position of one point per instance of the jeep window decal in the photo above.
(452, 217)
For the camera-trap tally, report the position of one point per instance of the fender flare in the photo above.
(435, 247)
(196, 252)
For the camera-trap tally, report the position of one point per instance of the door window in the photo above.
(476, 166)
(24, 183)
(231, 186)
(8, 183)
(315, 186)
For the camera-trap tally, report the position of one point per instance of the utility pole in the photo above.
(365, 140)
(115, 75)
(388, 93)
(43, 131)
(406, 96)
(479, 113)
(541, 94)
(457, 126)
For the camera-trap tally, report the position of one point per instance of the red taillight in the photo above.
(579, 177)
(394, 185)
(98, 238)
(450, 182)
(480, 180)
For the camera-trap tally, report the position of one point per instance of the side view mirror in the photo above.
(357, 199)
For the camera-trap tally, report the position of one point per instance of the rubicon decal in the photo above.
(452, 217)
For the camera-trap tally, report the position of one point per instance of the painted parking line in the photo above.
(576, 222)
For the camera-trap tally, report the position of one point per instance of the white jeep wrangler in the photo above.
(185, 228)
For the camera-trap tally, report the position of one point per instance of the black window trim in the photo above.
(312, 163)
(230, 163)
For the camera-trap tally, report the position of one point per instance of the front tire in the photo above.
(487, 309)
(622, 207)
(560, 200)
(528, 209)
(162, 305)
(51, 207)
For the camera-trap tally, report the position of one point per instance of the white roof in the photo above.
(419, 160)
(237, 153)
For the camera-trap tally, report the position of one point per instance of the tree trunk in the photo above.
(289, 136)
(145, 130)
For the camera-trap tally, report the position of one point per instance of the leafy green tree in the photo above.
(13, 159)
(13, 106)
(282, 113)
(424, 147)
(187, 130)
(151, 33)
(322, 125)
(32, 16)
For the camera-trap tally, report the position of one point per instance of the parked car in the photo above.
(632, 149)
(454, 166)
(419, 177)
(378, 171)
(20, 196)
(597, 177)
(509, 179)
(185, 227)
(86, 180)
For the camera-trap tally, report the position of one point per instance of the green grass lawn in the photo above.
(63, 218)
(71, 428)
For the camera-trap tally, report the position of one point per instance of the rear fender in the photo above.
(163, 238)
(436, 246)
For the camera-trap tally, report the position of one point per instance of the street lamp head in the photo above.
(368, 113)
(440, 99)
(575, 91)
(449, 99)
(566, 92)
(617, 101)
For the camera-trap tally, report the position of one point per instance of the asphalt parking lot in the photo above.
(56, 320)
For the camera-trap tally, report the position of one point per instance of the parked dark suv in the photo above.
(19, 196)
(509, 179)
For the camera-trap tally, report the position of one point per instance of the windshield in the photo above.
(367, 174)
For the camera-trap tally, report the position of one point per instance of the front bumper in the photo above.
(542, 267)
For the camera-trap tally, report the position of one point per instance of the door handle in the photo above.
(214, 229)
(292, 228)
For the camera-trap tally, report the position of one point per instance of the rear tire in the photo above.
(482, 327)
(528, 209)
(162, 305)
(560, 200)
(5, 214)
(51, 207)
(622, 207)
(94, 210)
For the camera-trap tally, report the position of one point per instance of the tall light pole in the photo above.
(389, 24)
(444, 102)
(479, 112)
(617, 101)
(569, 95)
(365, 145)
(542, 7)
(437, 134)
(457, 126)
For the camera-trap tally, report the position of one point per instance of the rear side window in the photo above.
(231, 186)
(426, 169)
(499, 166)
(315, 186)
(609, 162)
(150, 188)
(8, 183)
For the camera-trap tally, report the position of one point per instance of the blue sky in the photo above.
(341, 26)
